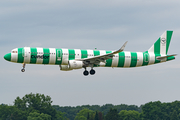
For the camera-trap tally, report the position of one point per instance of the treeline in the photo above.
(31, 107)
(38, 107)
(149, 111)
(71, 112)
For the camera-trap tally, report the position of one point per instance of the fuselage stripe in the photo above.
(121, 59)
(20, 55)
(83, 54)
(108, 61)
(52, 57)
(40, 53)
(127, 59)
(46, 56)
(133, 59)
(33, 55)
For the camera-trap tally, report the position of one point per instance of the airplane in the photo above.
(70, 59)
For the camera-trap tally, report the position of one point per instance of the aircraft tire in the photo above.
(92, 72)
(86, 73)
(22, 70)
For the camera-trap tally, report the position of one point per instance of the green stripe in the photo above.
(145, 58)
(157, 61)
(58, 62)
(170, 58)
(133, 59)
(33, 54)
(71, 54)
(96, 52)
(20, 55)
(121, 59)
(169, 35)
(46, 56)
(157, 46)
(83, 53)
(108, 61)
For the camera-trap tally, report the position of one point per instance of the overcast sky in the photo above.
(83, 24)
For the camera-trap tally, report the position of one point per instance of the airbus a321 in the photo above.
(70, 59)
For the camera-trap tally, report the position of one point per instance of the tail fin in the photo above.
(161, 46)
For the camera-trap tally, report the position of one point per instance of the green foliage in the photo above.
(129, 115)
(38, 107)
(112, 115)
(11, 112)
(161, 111)
(96, 116)
(84, 114)
(38, 116)
(100, 116)
(60, 116)
(31, 107)
(72, 111)
(36, 102)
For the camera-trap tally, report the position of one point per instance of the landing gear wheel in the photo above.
(86, 73)
(22, 70)
(92, 72)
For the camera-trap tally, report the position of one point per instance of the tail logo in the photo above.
(163, 41)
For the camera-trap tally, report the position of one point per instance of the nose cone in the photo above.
(8, 57)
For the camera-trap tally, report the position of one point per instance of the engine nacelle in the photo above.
(65, 67)
(73, 64)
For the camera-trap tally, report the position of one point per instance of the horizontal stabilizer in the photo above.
(163, 57)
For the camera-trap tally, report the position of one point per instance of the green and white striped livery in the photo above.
(69, 59)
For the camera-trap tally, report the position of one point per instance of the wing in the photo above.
(101, 58)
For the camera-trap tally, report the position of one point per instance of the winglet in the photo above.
(121, 49)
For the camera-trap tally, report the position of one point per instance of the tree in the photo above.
(155, 110)
(100, 115)
(12, 112)
(174, 115)
(88, 116)
(83, 114)
(96, 116)
(112, 115)
(38, 116)
(60, 116)
(36, 103)
(129, 115)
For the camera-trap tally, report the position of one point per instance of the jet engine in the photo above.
(71, 65)
(64, 67)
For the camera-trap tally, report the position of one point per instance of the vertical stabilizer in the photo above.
(161, 46)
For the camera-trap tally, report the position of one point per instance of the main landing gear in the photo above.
(86, 73)
(23, 70)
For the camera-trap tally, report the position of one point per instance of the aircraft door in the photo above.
(59, 55)
(146, 57)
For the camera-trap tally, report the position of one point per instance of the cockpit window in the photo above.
(14, 51)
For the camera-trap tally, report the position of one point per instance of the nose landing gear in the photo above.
(23, 70)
